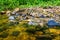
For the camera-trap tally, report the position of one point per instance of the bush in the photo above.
(15, 33)
(11, 4)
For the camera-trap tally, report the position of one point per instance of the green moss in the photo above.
(15, 33)
(3, 29)
(4, 35)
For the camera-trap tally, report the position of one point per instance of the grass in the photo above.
(11, 4)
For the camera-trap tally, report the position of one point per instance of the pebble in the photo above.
(32, 14)
(17, 9)
(13, 12)
(8, 13)
(3, 12)
(11, 18)
(32, 23)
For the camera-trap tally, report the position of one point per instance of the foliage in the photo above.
(11, 4)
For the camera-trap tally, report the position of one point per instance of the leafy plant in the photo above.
(11, 4)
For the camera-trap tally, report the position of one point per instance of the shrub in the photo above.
(11, 4)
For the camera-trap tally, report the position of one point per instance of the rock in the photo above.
(16, 9)
(11, 18)
(52, 23)
(41, 24)
(23, 15)
(13, 13)
(42, 16)
(21, 18)
(8, 13)
(17, 15)
(32, 23)
(36, 12)
(3, 12)
(24, 18)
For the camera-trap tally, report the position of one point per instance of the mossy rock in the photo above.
(4, 35)
(31, 31)
(44, 38)
(15, 33)
(3, 29)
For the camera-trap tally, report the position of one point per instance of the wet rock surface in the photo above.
(42, 14)
(30, 24)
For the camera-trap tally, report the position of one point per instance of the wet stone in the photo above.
(23, 15)
(11, 18)
(17, 14)
(42, 16)
(3, 12)
(32, 23)
(13, 13)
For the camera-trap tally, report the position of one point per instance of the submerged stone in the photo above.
(32, 23)
(52, 23)
(42, 16)
(11, 18)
